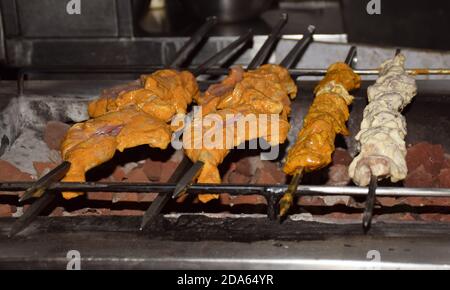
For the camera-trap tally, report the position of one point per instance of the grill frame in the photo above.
(271, 192)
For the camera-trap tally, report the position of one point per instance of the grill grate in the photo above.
(270, 192)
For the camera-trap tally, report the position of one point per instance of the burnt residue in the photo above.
(192, 228)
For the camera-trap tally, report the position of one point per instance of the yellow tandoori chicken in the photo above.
(133, 118)
(326, 118)
(163, 94)
(244, 106)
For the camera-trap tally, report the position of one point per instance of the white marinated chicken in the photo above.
(383, 129)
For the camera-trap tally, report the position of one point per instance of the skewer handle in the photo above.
(350, 60)
(192, 43)
(266, 48)
(31, 213)
(224, 52)
(292, 58)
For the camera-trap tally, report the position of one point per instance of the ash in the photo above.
(29, 147)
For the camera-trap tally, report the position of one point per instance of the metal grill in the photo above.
(270, 192)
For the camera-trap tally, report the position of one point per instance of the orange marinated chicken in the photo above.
(135, 117)
(95, 141)
(326, 118)
(164, 93)
(211, 98)
(258, 97)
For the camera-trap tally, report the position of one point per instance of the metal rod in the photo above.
(272, 210)
(293, 56)
(288, 198)
(370, 202)
(267, 47)
(233, 189)
(31, 213)
(188, 178)
(193, 42)
(39, 187)
(161, 199)
(216, 71)
(351, 55)
(224, 52)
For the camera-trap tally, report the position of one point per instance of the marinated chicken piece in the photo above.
(95, 141)
(164, 93)
(326, 118)
(259, 99)
(132, 118)
(210, 99)
(383, 129)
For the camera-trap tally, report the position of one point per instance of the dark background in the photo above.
(118, 32)
(410, 23)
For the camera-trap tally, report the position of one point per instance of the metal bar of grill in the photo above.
(232, 189)
(192, 43)
(216, 71)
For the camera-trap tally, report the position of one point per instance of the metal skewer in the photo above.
(370, 203)
(371, 196)
(188, 179)
(297, 51)
(259, 58)
(161, 199)
(287, 199)
(232, 189)
(193, 42)
(224, 52)
(266, 48)
(39, 187)
(290, 60)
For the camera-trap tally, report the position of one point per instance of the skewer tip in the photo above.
(284, 208)
(311, 28)
(179, 190)
(13, 231)
(371, 196)
(30, 193)
(287, 199)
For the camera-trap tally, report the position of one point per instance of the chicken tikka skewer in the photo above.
(325, 119)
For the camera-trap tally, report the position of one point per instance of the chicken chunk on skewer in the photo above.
(162, 94)
(256, 101)
(326, 118)
(383, 128)
(94, 142)
(133, 118)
